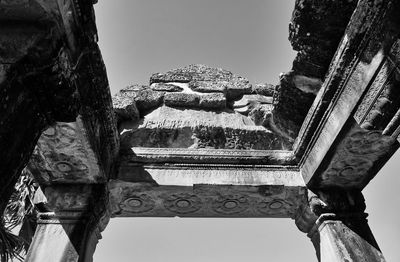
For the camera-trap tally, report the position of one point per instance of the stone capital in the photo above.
(332, 204)
(335, 216)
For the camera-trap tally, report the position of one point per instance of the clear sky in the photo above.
(249, 38)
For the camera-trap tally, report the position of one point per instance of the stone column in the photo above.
(70, 228)
(335, 222)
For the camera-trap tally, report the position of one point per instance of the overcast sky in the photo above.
(249, 38)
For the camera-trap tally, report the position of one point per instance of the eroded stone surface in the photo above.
(63, 154)
(140, 97)
(206, 79)
(316, 29)
(174, 127)
(263, 89)
(356, 158)
(199, 113)
(194, 199)
(182, 100)
(213, 101)
(166, 87)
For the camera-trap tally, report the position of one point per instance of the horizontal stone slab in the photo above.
(189, 128)
(189, 175)
(143, 200)
(209, 156)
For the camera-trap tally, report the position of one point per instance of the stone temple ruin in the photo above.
(200, 141)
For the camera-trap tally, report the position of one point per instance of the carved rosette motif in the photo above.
(137, 204)
(183, 203)
(63, 154)
(231, 204)
(274, 207)
(355, 156)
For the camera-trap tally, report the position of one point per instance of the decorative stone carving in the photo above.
(209, 156)
(64, 198)
(192, 196)
(183, 203)
(230, 204)
(274, 206)
(173, 127)
(219, 174)
(381, 101)
(63, 153)
(355, 158)
(137, 203)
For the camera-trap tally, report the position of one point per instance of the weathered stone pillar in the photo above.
(70, 229)
(338, 228)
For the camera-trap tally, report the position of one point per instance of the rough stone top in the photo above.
(198, 107)
(204, 79)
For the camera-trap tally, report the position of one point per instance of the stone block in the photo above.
(163, 87)
(252, 99)
(179, 77)
(181, 100)
(238, 88)
(125, 106)
(147, 100)
(208, 86)
(213, 101)
(263, 89)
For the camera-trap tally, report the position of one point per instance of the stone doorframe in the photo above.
(350, 131)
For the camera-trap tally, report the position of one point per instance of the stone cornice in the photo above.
(210, 156)
(360, 56)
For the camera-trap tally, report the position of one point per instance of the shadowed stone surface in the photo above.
(315, 31)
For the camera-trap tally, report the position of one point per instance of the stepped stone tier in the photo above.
(200, 141)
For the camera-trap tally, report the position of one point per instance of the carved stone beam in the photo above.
(351, 128)
(337, 226)
(187, 190)
(69, 225)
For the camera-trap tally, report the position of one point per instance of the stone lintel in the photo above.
(135, 199)
(208, 156)
(190, 175)
(361, 55)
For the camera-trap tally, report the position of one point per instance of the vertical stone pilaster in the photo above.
(336, 242)
(336, 223)
(71, 230)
